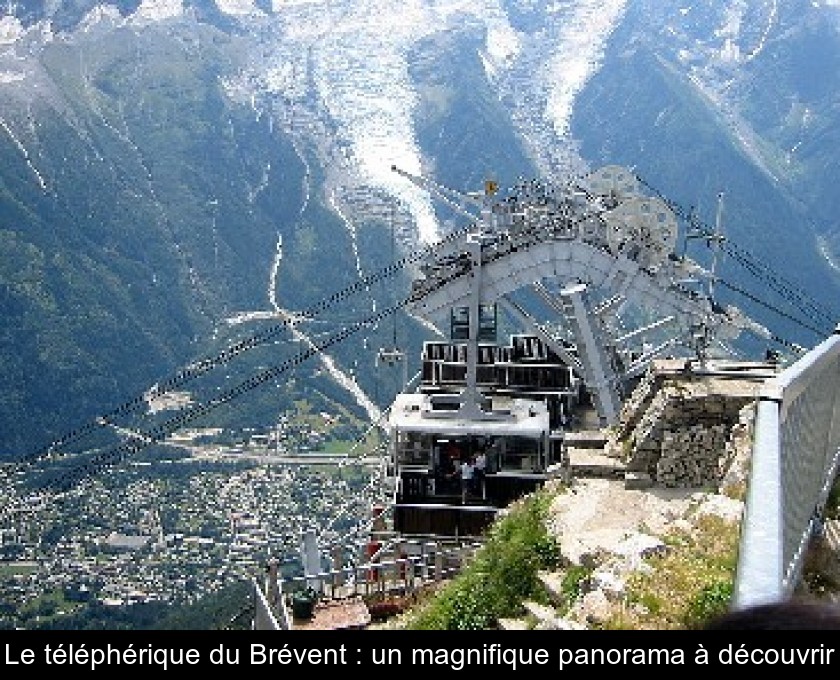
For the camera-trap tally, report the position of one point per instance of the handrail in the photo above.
(264, 616)
(795, 460)
(375, 577)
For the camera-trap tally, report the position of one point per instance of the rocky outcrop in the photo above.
(690, 435)
(611, 532)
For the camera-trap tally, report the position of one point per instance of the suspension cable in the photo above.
(784, 288)
(206, 364)
(820, 332)
(159, 432)
(788, 290)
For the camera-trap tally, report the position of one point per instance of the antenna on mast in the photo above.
(701, 333)
(715, 240)
(393, 259)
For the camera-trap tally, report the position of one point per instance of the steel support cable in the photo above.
(202, 366)
(777, 339)
(117, 454)
(819, 332)
(752, 267)
(755, 266)
(784, 288)
(788, 290)
(143, 439)
(161, 431)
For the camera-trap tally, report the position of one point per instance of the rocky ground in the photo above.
(601, 524)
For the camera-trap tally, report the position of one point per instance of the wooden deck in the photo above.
(336, 615)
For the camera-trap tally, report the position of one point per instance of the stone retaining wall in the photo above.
(685, 429)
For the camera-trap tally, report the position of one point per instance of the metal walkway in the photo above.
(397, 570)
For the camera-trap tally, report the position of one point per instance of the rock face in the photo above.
(601, 516)
(611, 530)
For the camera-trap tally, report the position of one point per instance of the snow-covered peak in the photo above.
(239, 8)
(101, 15)
(10, 30)
(158, 10)
(337, 72)
(346, 64)
(577, 54)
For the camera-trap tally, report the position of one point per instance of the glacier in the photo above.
(336, 79)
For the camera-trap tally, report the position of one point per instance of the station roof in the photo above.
(508, 417)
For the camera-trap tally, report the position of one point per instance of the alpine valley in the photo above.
(178, 174)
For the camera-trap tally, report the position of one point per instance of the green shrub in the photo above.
(713, 600)
(571, 585)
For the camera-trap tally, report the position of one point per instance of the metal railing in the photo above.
(796, 452)
(268, 614)
(404, 569)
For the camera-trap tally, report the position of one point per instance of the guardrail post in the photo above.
(338, 578)
(311, 560)
(428, 555)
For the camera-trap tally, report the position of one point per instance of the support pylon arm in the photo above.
(456, 200)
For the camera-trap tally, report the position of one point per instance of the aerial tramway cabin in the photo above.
(513, 418)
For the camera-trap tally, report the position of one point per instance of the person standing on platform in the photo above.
(479, 473)
(467, 476)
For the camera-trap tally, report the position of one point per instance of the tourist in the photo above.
(467, 476)
(479, 472)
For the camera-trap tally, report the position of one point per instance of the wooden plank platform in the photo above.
(336, 615)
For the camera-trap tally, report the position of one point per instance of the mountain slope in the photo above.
(639, 112)
(177, 175)
(133, 223)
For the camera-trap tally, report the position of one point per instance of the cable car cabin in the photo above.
(434, 440)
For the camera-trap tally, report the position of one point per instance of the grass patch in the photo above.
(688, 584)
(571, 587)
(503, 573)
